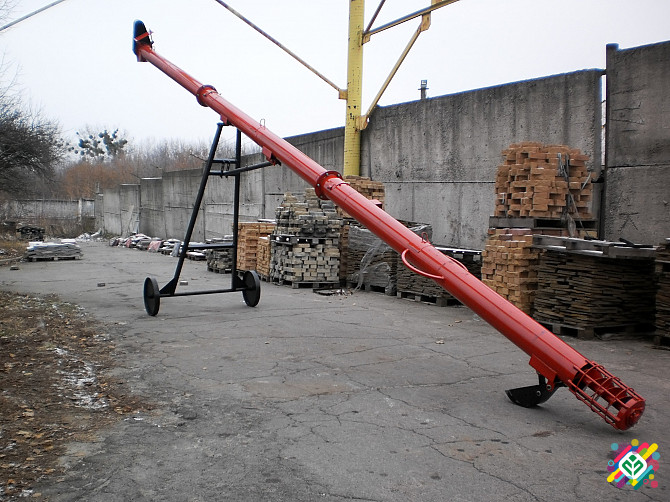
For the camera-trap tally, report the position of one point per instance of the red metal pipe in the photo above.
(552, 358)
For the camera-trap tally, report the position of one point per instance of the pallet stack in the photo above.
(416, 287)
(38, 251)
(509, 265)
(305, 244)
(30, 233)
(220, 260)
(248, 234)
(588, 287)
(303, 261)
(540, 190)
(373, 190)
(263, 256)
(372, 265)
(663, 293)
(543, 181)
(344, 251)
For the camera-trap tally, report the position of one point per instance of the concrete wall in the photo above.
(167, 204)
(637, 201)
(121, 209)
(179, 190)
(32, 211)
(99, 211)
(438, 157)
(129, 205)
(218, 202)
(325, 147)
(152, 214)
(112, 211)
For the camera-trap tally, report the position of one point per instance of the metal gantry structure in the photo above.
(358, 36)
(557, 364)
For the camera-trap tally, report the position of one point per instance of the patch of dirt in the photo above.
(54, 387)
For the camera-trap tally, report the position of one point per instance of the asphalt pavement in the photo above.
(307, 397)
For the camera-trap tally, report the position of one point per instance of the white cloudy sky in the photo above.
(75, 60)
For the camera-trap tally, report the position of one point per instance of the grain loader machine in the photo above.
(556, 363)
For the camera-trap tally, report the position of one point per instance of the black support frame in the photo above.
(248, 283)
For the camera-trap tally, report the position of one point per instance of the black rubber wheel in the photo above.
(152, 296)
(252, 294)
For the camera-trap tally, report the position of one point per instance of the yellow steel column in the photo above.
(352, 128)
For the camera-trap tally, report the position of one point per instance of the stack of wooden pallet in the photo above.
(509, 265)
(52, 251)
(263, 257)
(586, 287)
(415, 287)
(307, 216)
(30, 233)
(248, 234)
(663, 292)
(372, 264)
(373, 190)
(545, 181)
(344, 250)
(305, 245)
(220, 260)
(304, 261)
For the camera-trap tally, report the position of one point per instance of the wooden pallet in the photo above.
(590, 332)
(248, 234)
(219, 270)
(509, 265)
(53, 258)
(574, 289)
(544, 223)
(373, 190)
(438, 301)
(595, 248)
(411, 282)
(544, 181)
(305, 284)
(195, 256)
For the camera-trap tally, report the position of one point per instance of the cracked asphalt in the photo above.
(308, 397)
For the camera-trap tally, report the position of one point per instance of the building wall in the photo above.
(129, 205)
(438, 157)
(32, 211)
(179, 191)
(218, 202)
(152, 210)
(112, 211)
(637, 201)
(325, 147)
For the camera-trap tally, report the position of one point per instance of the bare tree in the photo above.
(30, 145)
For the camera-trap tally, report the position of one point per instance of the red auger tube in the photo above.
(552, 358)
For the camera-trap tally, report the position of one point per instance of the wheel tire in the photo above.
(251, 295)
(152, 296)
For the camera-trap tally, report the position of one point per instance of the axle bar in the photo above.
(552, 358)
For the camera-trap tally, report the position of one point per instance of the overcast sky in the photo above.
(75, 62)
